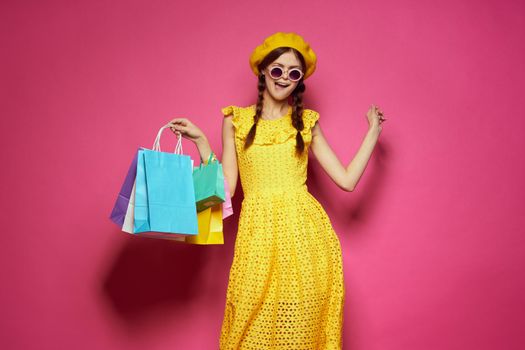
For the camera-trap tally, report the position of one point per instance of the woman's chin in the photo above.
(280, 96)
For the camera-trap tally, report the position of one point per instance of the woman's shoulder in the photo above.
(250, 110)
(310, 117)
(240, 115)
(235, 110)
(245, 113)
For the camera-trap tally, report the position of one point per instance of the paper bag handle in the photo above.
(156, 143)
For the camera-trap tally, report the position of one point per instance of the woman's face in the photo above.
(286, 61)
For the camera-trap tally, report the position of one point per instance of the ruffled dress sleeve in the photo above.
(274, 132)
(240, 120)
(235, 113)
(310, 117)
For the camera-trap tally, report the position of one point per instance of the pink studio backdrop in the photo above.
(433, 238)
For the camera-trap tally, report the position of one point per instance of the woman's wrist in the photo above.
(211, 158)
(204, 148)
(374, 130)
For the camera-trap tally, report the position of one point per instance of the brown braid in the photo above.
(261, 85)
(297, 115)
(297, 98)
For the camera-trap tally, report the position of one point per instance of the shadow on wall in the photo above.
(149, 275)
(358, 206)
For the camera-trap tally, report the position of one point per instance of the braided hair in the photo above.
(297, 99)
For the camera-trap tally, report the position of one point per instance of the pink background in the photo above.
(433, 237)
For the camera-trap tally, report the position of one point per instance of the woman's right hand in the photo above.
(186, 128)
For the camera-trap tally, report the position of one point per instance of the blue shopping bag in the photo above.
(164, 193)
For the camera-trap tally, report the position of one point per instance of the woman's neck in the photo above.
(272, 108)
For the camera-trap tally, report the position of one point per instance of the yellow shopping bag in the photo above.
(210, 227)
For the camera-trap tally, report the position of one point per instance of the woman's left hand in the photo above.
(375, 117)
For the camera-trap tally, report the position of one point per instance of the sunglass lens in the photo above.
(276, 72)
(294, 74)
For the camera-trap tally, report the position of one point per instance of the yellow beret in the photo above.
(281, 39)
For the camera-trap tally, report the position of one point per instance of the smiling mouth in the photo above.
(282, 85)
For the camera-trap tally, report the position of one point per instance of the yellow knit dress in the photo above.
(286, 288)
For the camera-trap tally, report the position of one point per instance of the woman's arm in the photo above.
(204, 147)
(229, 154)
(346, 178)
(190, 131)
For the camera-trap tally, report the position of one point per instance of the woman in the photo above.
(286, 288)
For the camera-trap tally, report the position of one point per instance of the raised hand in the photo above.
(188, 130)
(375, 117)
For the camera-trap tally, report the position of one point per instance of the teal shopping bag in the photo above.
(208, 181)
(164, 195)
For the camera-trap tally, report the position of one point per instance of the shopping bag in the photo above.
(128, 223)
(141, 210)
(227, 208)
(164, 193)
(208, 181)
(121, 204)
(128, 219)
(210, 227)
